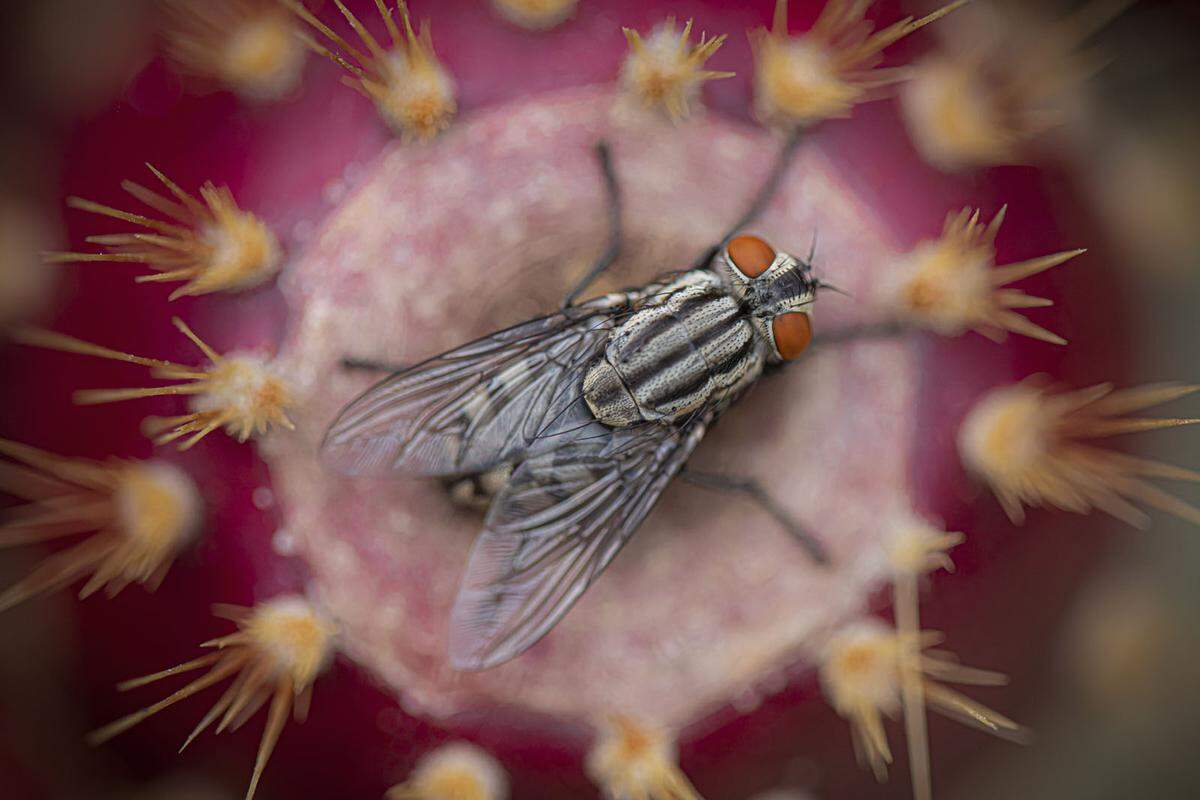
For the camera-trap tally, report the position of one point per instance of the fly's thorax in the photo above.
(692, 346)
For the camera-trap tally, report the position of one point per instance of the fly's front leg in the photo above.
(854, 333)
(613, 249)
(761, 199)
(754, 491)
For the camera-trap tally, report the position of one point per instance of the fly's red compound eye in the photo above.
(793, 333)
(751, 255)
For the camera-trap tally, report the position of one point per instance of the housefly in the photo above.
(595, 408)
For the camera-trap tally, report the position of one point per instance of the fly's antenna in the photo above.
(823, 285)
(808, 263)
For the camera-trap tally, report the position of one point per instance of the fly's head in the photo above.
(777, 290)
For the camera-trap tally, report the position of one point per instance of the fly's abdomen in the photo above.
(671, 358)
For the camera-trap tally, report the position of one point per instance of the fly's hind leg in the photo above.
(613, 248)
(753, 491)
(762, 198)
(371, 365)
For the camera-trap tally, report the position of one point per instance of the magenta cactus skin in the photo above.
(297, 164)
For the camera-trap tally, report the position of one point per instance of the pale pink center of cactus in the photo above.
(489, 225)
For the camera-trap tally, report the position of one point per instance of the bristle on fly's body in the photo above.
(914, 549)
(536, 15)
(863, 673)
(665, 71)
(213, 245)
(413, 92)
(823, 73)
(456, 771)
(951, 284)
(249, 46)
(139, 516)
(1033, 447)
(281, 647)
(633, 761)
(243, 393)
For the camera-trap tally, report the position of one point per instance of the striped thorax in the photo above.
(704, 338)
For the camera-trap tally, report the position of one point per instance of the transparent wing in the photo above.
(560, 520)
(478, 405)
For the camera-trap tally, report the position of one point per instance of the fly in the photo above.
(595, 408)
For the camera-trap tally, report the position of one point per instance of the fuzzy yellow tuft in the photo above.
(280, 649)
(140, 515)
(249, 46)
(214, 245)
(411, 89)
(822, 74)
(915, 548)
(955, 121)
(1119, 646)
(632, 761)
(241, 392)
(665, 71)
(1031, 446)
(951, 284)
(456, 771)
(955, 117)
(537, 15)
(862, 674)
(1002, 80)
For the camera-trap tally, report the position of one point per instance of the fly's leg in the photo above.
(613, 248)
(754, 491)
(761, 199)
(371, 365)
(854, 333)
(770, 187)
(611, 251)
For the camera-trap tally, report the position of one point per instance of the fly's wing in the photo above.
(560, 520)
(478, 405)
